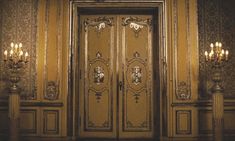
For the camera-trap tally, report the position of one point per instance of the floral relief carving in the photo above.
(182, 91)
(51, 91)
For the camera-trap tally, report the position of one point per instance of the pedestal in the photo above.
(218, 116)
(217, 104)
(14, 111)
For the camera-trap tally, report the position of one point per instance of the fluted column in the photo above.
(14, 105)
(217, 104)
(14, 110)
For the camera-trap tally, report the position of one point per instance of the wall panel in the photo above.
(183, 122)
(51, 122)
(182, 68)
(3, 121)
(28, 121)
(205, 121)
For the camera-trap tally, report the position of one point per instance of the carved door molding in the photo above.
(116, 83)
(115, 73)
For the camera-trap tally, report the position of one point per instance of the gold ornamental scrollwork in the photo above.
(51, 91)
(182, 91)
(98, 23)
(136, 24)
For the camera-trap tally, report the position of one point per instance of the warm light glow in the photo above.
(12, 45)
(226, 52)
(20, 45)
(11, 52)
(216, 54)
(15, 54)
(21, 53)
(16, 46)
(211, 45)
(5, 52)
(220, 44)
(26, 54)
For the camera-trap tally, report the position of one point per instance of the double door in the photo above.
(116, 93)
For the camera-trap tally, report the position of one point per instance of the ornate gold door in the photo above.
(116, 76)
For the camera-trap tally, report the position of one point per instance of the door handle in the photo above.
(120, 85)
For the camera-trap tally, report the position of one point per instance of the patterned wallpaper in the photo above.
(216, 19)
(18, 23)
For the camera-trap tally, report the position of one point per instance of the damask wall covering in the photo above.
(18, 20)
(216, 22)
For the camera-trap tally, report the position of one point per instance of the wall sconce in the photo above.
(217, 56)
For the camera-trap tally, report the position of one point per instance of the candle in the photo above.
(11, 52)
(220, 44)
(206, 54)
(26, 56)
(5, 55)
(226, 55)
(217, 44)
(222, 51)
(12, 45)
(210, 55)
(20, 45)
(20, 54)
(212, 52)
(16, 46)
(211, 45)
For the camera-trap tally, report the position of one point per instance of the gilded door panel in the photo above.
(116, 76)
(136, 97)
(96, 104)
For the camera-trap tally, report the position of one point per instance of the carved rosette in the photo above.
(98, 23)
(136, 24)
(182, 91)
(51, 91)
